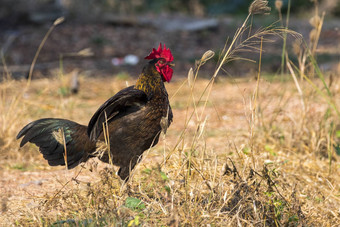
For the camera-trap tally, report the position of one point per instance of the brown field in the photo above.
(229, 164)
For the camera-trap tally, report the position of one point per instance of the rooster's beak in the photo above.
(171, 64)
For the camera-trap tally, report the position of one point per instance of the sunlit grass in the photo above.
(287, 150)
(239, 152)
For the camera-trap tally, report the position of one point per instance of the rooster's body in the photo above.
(130, 120)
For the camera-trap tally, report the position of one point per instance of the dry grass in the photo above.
(239, 152)
(210, 176)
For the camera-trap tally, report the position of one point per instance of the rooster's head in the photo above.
(163, 61)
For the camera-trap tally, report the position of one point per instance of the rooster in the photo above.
(121, 129)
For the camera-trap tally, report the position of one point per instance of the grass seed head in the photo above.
(259, 7)
(59, 21)
(315, 21)
(297, 47)
(87, 52)
(207, 55)
(278, 5)
(191, 77)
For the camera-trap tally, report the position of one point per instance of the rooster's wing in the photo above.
(127, 101)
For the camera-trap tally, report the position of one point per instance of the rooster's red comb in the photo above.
(161, 53)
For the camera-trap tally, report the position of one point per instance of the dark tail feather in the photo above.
(47, 135)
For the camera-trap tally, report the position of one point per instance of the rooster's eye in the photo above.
(162, 61)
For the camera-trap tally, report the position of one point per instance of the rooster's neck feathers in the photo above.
(150, 81)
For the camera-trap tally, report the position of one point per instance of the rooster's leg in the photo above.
(124, 171)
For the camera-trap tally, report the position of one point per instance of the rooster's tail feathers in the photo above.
(52, 135)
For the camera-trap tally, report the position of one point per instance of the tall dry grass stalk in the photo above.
(307, 59)
(285, 38)
(306, 51)
(9, 105)
(56, 23)
(250, 43)
(252, 122)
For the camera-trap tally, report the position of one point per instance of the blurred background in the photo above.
(109, 37)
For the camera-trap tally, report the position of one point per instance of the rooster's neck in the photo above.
(150, 81)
